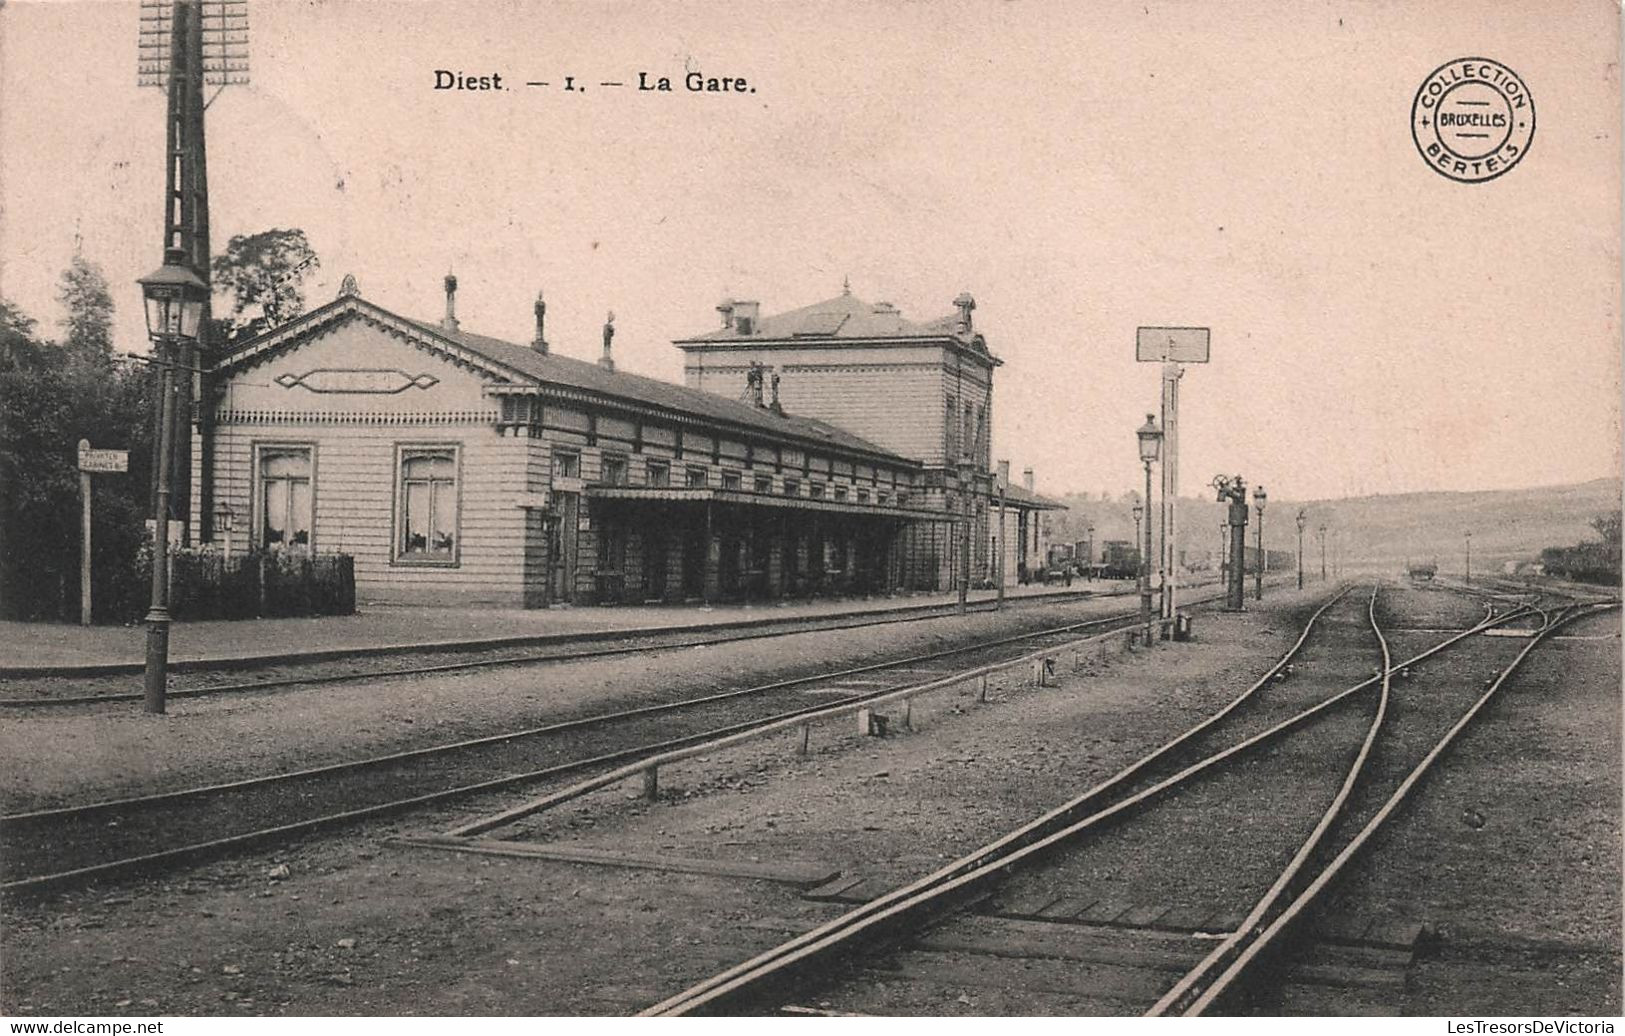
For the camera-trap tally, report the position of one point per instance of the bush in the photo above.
(275, 584)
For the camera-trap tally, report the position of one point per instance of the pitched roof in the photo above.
(1019, 496)
(579, 374)
(844, 316)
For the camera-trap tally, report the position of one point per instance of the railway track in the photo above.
(200, 679)
(1384, 770)
(68, 845)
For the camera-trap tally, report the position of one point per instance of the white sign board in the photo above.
(104, 460)
(1179, 344)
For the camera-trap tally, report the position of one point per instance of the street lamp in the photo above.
(967, 472)
(1004, 481)
(1469, 558)
(175, 296)
(1089, 560)
(1150, 446)
(1303, 520)
(1259, 497)
(1322, 531)
(1137, 511)
(224, 520)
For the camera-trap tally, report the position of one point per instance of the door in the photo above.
(563, 547)
(655, 561)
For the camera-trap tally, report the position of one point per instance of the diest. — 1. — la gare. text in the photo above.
(646, 82)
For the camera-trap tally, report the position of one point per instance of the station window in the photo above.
(285, 496)
(696, 478)
(659, 474)
(426, 526)
(730, 480)
(816, 490)
(764, 484)
(792, 487)
(566, 464)
(863, 496)
(882, 498)
(613, 470)
(840, 492)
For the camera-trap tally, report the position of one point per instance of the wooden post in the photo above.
(981, 691)
(806, 737)
(84, 542)
(651, 783)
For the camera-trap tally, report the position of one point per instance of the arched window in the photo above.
(284, 497)
(427, 528)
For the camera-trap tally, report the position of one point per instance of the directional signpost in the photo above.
(1172, 347)
(92, 462)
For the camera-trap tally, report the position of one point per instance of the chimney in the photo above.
(607, 361)
(753, 383)
(964, 303)
(539, 343)
(449, 321)
(745, 314)
(1004, 473)
(1027, 479)
(776, 406)
(726, 308)
(884, 308)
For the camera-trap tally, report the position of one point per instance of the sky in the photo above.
(1081, 169)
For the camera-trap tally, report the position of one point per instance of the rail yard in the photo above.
(1368, 798)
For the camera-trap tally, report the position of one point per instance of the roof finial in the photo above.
(846, 285)
(539, 343)
(449, 321)
(607, 361)
(349, 287)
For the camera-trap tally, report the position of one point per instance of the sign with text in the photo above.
(104, 460)
(1178, 344)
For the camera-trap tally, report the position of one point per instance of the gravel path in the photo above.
(354, 925)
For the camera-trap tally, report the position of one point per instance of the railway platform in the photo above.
(41, 649)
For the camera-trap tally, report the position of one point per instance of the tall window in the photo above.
(613, 472)
(659, 474)
(696, 478)
(285, 514)
(730, 480)
(428, 505)
(566, 464)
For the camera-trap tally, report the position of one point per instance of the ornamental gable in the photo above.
(355, 366)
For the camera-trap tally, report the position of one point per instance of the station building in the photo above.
(458, 468)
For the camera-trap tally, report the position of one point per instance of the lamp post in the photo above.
(175, 296)
(1150, 437)
(966, 471)
(1469, 558)
(1259, 498)
(1322, 531)
(1089, 560)
(224, 520)
(1004, 480)
(1303, 520)
(1137, 511)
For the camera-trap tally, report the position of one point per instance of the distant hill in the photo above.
(1385, 530)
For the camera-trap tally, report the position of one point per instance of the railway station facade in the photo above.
(458, 468)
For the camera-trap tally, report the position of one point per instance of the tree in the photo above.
(88, 323)
(264, 275)
(51, 396)
(1608, 527)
